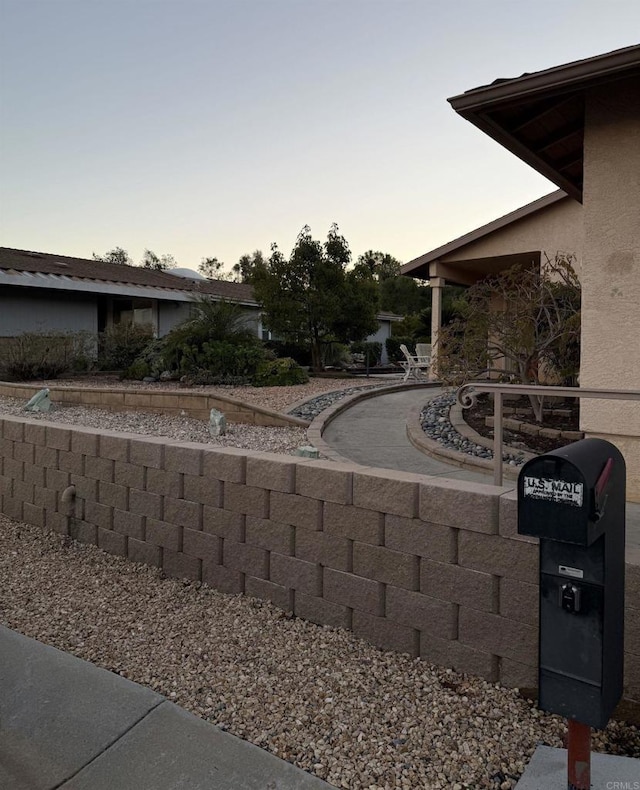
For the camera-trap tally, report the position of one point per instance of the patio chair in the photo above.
(414, 365)
(423, 352)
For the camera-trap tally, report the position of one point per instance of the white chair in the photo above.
(423, 353)
(414, 364)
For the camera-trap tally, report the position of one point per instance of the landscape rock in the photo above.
(41, 402)
(217, 423)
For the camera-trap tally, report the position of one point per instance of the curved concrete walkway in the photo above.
(373, 433)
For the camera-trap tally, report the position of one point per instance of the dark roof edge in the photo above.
(563, 77)
(485, 230)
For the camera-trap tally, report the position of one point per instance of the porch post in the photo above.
(436, 284)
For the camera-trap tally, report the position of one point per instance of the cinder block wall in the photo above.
(171, 402)
(420, 565)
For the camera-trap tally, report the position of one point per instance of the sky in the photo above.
(203, 128)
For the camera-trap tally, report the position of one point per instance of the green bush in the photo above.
(393, 347)
(46, 355)
(137, 371)
(335, 355)
(282, 348)
(221, 358)
(215, 345)
(371, 350)
(280, 373)
(150, 362)
(120, 344)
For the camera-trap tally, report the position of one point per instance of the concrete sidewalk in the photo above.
(65, 723)
(547, 770)
(373, 432)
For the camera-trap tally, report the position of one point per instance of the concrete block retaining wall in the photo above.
(420, 565)
(170, 402)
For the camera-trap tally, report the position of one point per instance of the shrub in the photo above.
(138, 370)
(120, 344)
(46, 355)
(335, 355)
(393, 347)
(282, 348)
(371, 350)
(215, 343)
(216, 379)
(280, 373)
(150, 362)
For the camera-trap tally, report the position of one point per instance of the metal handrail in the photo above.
(467, 393)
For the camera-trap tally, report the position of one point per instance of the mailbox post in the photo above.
(573, 499)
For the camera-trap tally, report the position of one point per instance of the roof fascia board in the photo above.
(567, 77)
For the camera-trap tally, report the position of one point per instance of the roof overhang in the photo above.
(540, 117)
(468, 272)
(391, 317)
(59, 282)
(421, 266)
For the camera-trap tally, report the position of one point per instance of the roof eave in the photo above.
(567, 77)
(497, 133)
(483, 230)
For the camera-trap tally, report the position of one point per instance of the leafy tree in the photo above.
(398, 294)
(244, 270)
(403, 295)
(312, 298)
(151, 261)
(526, 317)
(213, 269)
(451, 295)
(116, 255)
(381, 265)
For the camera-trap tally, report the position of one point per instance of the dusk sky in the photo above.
(215, 127)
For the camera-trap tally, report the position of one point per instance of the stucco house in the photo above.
(579, 125)
(44, 292)
(549, 225)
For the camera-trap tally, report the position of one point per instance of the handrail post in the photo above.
(497, 438)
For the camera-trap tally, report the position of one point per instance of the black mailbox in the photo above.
(573, 499)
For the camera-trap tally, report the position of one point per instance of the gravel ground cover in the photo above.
(189, 429)
(316, 696)
(277, 398)
(314, 406)
(184, 429)
(434, 420)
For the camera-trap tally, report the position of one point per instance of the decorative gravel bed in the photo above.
(277, 398)
(184, 429)
(311, 408)
(434, 420)
(189, 429)
(316, 696)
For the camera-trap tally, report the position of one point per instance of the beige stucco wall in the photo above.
(557, 228)
(611, 267)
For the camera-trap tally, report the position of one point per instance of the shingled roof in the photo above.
(93, 272)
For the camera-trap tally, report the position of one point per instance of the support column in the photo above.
(436, 284)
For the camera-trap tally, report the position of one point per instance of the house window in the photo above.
(132, 311)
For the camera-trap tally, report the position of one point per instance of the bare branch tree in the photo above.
(523, 325)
